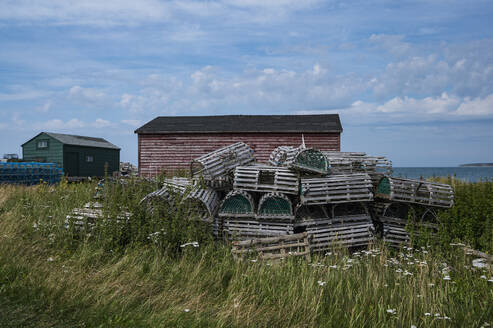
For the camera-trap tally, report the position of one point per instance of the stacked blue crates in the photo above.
(30, 173)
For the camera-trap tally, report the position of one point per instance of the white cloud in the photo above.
(133, 123)
(413, 110)
(476, 107)
(127, 12)
(90, 94)
(210, 89)
(466, 71)
(24, 95)
(87, 12)
(391, 43)
(100, 123)
(58, 124)
(125, 99)
(44, 108)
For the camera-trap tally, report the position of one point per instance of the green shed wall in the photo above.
(52, 154)
(101, 157)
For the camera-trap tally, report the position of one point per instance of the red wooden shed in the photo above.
(170, 142)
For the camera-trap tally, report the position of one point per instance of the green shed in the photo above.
(79, 156)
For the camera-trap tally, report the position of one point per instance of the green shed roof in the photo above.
(69, 139)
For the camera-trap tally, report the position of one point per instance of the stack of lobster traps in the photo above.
(404, 207)
(335, 198)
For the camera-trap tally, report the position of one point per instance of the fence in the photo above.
(30, 173)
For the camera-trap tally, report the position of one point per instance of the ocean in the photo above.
(472, 174)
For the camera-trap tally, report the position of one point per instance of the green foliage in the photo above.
(470, 220)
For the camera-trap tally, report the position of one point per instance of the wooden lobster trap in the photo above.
(339, 225)
(415, 192)
(301, 159)
(397, 222)
(340, 188)
(217, 164)
(261, 178)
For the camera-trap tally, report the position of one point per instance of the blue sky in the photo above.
(412, 80)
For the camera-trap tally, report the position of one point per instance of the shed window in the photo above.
(89, 158)
(42, 144)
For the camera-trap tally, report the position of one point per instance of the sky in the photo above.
(411, 80)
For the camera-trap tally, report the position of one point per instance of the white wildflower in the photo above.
(407, 273)
(193, 243)
(35, 225)
(431, 284)
(392, 311)
(386, 285)
(491, 279)
(483, 277)
(321, 283)
(413, 326)
(427, 314)
(398, 270)
(333, 266)
(187, 310)
(479, 263)
(253, 261)
(447, 277)
(50, 259)
(437, 314)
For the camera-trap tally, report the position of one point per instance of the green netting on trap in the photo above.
(384, 186)
(237, 204)
(312, 159)
(275, 206)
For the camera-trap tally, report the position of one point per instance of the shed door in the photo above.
(71, 164)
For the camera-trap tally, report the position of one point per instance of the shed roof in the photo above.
(74, 140)
(242, 123)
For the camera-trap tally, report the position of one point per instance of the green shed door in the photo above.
(71, 164)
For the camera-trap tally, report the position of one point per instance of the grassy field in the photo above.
(135, 274)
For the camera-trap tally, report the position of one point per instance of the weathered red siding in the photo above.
(170, 152)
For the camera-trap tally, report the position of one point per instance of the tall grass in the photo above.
(470, 220)
(126, 274)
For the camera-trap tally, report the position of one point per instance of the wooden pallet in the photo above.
(272, 248)
(415, 192)
(222, 161)
(261, 178)
(342, 188)
(301, 159)
(247, 228)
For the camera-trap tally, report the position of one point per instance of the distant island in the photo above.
(476, 164)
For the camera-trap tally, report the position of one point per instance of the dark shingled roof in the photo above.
(70, 139)
(242, 123)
